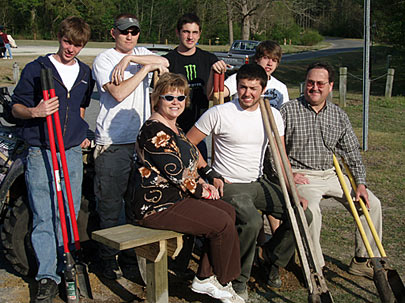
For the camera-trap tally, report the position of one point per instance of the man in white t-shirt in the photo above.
(240, 143)
(268, 55)
(122, 78)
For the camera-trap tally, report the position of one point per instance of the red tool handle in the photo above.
(221, 81)
(216, 82)
(64, 163)
(56, 174)
(221, 85)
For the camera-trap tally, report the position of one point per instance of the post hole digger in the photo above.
(75, 272)
(387, 281)
(314, 279)
(218, 98)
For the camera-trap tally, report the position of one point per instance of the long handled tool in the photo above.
(387, 281)
(73, 269)
(315, 282)
(218, 98)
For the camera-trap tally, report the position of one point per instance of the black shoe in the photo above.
(128, 263)
(273, 279)
(47, 290)
(112, 270)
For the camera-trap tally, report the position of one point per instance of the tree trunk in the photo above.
(150, 20)
(230, 20)
(34, 23)
(245, 21)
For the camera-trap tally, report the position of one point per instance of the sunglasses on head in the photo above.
(171, 98)
(133, 32)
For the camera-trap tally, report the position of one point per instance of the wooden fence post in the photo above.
(302, 85)
(389, 83)
(330, 97)
(16, 72)
(342, 86)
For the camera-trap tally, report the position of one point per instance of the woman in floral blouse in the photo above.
(171, 195)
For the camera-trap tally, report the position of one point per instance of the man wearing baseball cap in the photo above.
(121, 75)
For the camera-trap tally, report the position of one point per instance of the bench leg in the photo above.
(157, 280)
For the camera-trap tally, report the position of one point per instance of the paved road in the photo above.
(338, 45)
(87, 51)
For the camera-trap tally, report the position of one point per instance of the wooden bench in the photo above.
(152, 244)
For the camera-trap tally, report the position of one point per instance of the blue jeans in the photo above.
(112, 164)
(8, 47)
(46, 235)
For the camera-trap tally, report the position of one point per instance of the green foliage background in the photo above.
(289, 19)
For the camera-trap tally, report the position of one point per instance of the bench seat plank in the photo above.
(130, 236)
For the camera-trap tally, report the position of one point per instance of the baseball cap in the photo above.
(125, 23)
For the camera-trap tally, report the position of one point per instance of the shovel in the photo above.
(218, 98)
(314, 279)
(75, 269)
(387, 281)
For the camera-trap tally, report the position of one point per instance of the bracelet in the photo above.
(210, 174)
(209, 195)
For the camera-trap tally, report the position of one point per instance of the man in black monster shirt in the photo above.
(196, 65)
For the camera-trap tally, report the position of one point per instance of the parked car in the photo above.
(241, 52)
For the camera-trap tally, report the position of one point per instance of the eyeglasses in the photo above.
(171, 98)
(133, 32)
(320, 84)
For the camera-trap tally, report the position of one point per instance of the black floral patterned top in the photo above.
(167, 164)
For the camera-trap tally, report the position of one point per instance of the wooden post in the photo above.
(330, 96)
(209, 42)
(16, 72)
(342, 86)
(285, 41)
(302, 85)
(157, 280)
(166, 41)
(389, 83)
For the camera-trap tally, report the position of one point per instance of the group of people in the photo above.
(159, 141)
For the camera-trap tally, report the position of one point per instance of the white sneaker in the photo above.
(235, 297)
(213, 288)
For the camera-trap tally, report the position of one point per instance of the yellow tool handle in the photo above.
(365, 211)
(352, 207)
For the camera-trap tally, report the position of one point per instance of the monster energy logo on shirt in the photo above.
(191, 71)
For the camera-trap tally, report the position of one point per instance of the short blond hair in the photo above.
(168, 82)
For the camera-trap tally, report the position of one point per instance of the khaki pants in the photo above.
(326, 183)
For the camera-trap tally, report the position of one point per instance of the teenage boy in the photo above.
(196, 64)
(73, 87)
(122, 77)
(268, 55)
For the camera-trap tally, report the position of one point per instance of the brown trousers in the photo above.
(212, 219)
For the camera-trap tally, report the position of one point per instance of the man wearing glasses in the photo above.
(315, 128)
(121, 74)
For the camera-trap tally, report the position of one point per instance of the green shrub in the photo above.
(310, 37)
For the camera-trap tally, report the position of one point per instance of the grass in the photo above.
(384, 162)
